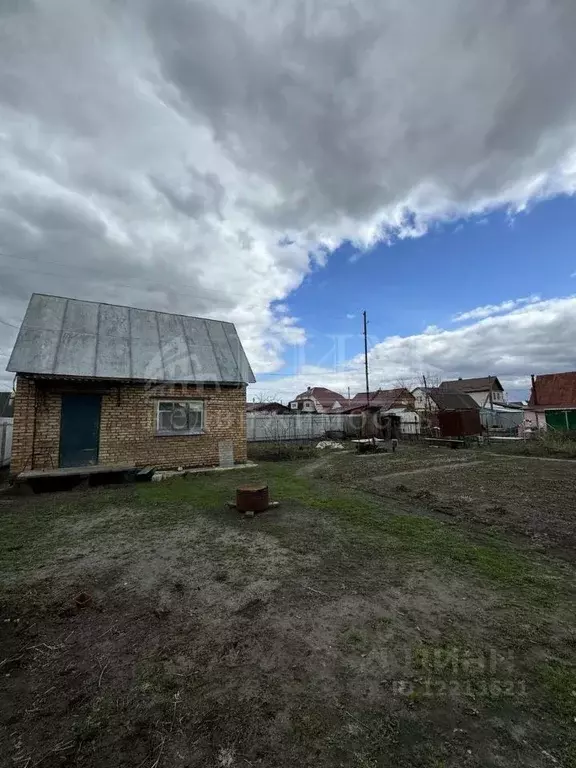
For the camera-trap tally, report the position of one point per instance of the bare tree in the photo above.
(262, 398)
(404, 382)
(430, 379)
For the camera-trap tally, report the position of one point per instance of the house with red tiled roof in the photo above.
(552, 403)
(318, 400)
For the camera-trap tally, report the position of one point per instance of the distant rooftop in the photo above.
(452, 401)
(472, 385)
(554, 389)
(326, 397)
(68, 337)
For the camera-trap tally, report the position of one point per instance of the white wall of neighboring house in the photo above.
(312, 405)
(534, 420)
(409, 421)
(309, 405)
(423, 401)
(482, 398)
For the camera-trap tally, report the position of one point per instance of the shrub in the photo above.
(276, 451)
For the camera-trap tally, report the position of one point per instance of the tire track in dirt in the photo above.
(429, 468)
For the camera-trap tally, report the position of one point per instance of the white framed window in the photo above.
(179, 417)
(294, 405)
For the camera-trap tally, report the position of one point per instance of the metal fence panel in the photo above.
(312, 426)
(301, 426)
(501, 419)
(5, 441)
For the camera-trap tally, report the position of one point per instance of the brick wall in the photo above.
(127, 425)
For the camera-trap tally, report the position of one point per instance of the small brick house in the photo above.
(100, 384)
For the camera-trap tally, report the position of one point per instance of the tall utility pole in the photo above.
(366, 357)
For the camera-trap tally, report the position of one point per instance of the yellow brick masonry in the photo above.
(127, 425)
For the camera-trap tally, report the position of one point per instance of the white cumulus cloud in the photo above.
(200, 155)
(534, 338)
(494, 309)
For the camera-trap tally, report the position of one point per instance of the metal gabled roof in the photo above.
(68, 337)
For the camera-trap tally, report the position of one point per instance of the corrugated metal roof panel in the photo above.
(174, 348)
(223, 352)
(76, 351)
(201, 352)
(35, 350)
(69, 337)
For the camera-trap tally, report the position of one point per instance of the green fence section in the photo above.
(562, 421)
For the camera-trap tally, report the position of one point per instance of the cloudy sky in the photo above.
(286, 165)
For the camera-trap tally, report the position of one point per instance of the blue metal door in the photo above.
(79, 430)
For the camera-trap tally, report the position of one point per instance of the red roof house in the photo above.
(552, 403)
(319, 400)
(553, 390)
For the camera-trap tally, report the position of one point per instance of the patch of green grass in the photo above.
(361, 525)
(491, 557)
(560, 445)
(281, 451)
(31, 529)
(558, 684)
(355, 639)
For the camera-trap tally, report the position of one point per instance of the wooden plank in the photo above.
(94, 469)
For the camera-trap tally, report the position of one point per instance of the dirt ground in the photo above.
(343, 628)
(527, 496)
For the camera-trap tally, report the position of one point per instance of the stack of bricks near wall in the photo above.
(127, 425)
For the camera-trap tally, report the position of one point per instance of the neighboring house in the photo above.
(409, 420)
(382, 399)
(552, 403)
(267, 408)
(112, 385)
(452, 401)
(318, 400)
(433, 399)
(453, 413)
(422, 401)
(479, 389)
(6, 405)
(385, 413)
